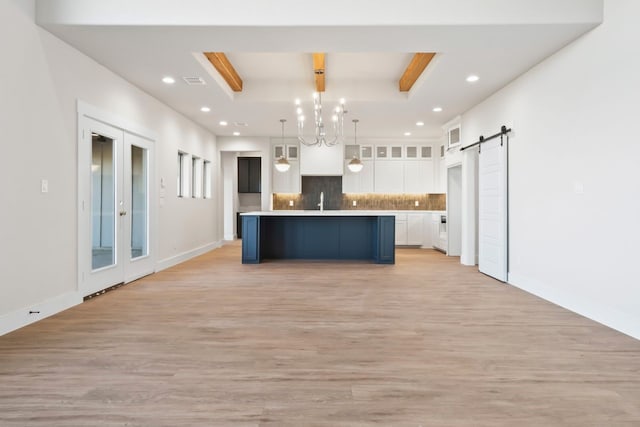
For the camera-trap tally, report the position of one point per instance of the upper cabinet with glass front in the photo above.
(288, 151)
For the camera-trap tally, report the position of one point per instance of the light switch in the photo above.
(354, 203)
(578, 187)
(417, 203)
(290, 202)
(44, 186)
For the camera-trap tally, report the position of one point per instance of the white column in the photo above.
(468, 253)
(229, 172)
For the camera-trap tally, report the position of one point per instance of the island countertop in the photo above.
(332, 213)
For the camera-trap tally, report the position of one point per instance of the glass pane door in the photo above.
(115, 172)
(138, 193)
(103, 202)
(139, 203)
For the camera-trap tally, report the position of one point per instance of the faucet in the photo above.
(321, 204)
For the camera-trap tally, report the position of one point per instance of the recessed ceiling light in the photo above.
(407, 134)
(205, 109)
(222, 123)
(168, 80)
(472, 78)
(419, 123)
(437, 109)
(236, 134)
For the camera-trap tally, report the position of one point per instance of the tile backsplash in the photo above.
(402, 202)
(426, 202)
(330, 186)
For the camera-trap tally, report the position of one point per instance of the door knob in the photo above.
(123, 213)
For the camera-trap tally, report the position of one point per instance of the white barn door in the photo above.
(492, 209)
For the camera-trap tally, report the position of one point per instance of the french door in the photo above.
(492, 210)
(114, 176)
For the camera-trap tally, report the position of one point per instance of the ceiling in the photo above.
(368, 45)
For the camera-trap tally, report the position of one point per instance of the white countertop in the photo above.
(332, 213)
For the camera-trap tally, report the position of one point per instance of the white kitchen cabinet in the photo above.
(360, 182)
(401, 229)
(395, 152)
(351, 151)
(418, 176)
(426, 152)
(367, 175)
(410, 229)
(366, 152)
(288, 151)
(411, 152)
(414, 229)
(427, 230)
(389, 177)
(286, 182)
(405, 169)
(292, 152)
(382, 152)
(279, 151)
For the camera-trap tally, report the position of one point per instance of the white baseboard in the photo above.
(27, 315)
(622, 322)
(185, 256)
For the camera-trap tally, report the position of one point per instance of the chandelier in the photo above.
(321, 137)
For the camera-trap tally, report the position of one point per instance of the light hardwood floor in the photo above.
(212, 342)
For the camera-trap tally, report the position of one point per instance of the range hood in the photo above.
(322, 161)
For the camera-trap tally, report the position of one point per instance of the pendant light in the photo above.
(355, 165)
(282, 164)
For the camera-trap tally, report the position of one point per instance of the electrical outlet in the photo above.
(44, 186)
(417, 203)
(354, 203)
(290, 202)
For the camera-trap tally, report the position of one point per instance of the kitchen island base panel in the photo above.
(318, 238)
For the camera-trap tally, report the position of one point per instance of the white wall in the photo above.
(573, 121)
(41, 80)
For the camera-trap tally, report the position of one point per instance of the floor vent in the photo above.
(194, 81)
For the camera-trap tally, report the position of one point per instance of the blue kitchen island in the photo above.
(315, 235)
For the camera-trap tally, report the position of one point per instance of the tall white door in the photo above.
(492, 209)
(454, 211)
(114, 236)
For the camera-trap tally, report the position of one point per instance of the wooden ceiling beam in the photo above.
(318, 71)
(221, 63)
(415, 68)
